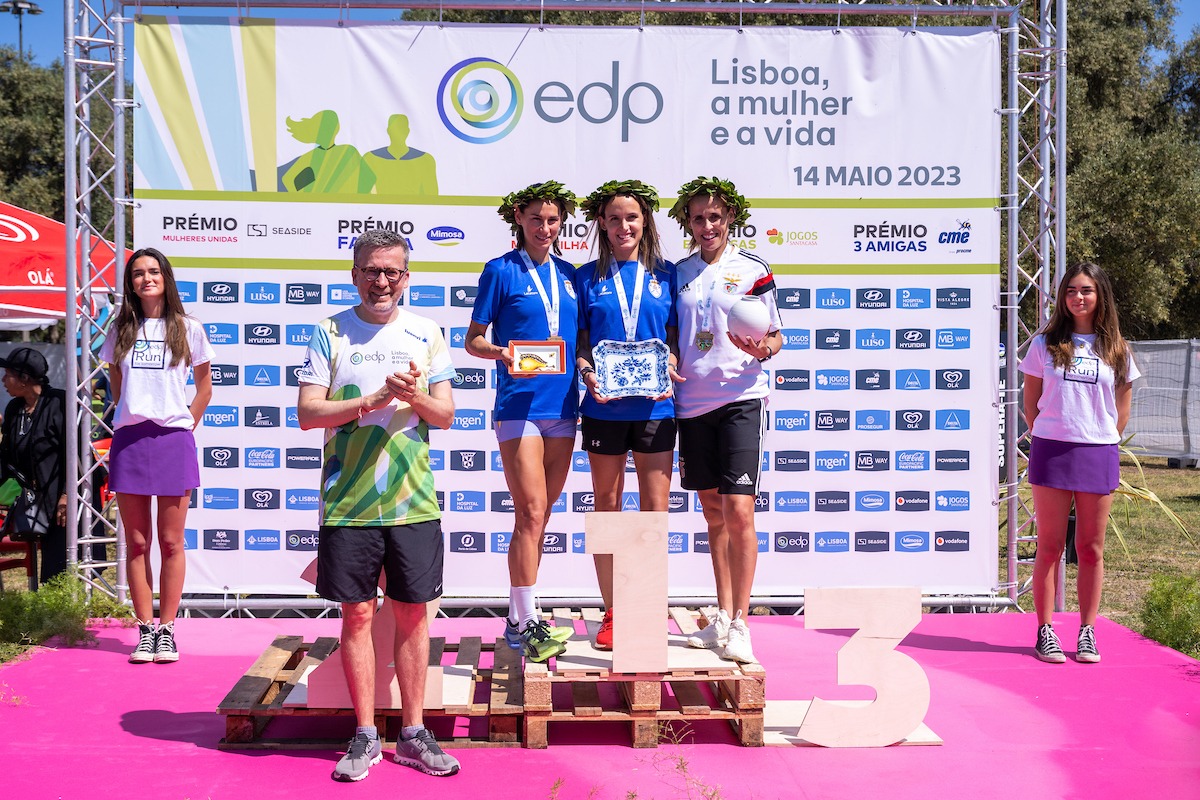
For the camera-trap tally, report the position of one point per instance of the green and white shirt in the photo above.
(376, 470)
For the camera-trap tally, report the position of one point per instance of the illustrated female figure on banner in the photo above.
(1078, 386)
(527, 297)
(151, 347)
(626, 321)
(721, 403)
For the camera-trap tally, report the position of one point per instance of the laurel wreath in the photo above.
(595, 201)
(550, 191)
(713, 187)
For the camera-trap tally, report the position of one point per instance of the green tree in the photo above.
(31, 134)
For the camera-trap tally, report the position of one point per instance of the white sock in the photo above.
(523, 605)
(411, 731)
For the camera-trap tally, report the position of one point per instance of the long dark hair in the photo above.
(131, 316)
(649, 248)
(1110, 346)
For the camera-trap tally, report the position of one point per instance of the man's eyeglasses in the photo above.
(393, 275)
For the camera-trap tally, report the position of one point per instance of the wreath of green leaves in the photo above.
(713, 187)
(595, 201)
(550, 191)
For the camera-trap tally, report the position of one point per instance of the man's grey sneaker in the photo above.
(363, 753)
(423, 752)
(165, 651)
(715, 635)
(1085, 650)
(147, 641)
(1048, 649)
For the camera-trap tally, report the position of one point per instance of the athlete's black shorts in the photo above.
(616, 437)
(349, 560)
(723, 449)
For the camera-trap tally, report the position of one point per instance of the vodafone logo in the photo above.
(16, 230)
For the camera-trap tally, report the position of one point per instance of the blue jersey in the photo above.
(600, 316)
(509, 302)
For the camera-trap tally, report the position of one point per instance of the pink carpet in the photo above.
(83, 723)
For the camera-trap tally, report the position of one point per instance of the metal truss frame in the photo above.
(1033, 208)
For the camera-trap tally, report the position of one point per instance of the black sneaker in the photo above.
(165, 651)
(147, 643)
(1048, 649)
(1085, 650)
(363, 753)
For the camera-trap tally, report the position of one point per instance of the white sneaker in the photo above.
(738, 647)
(714, 635)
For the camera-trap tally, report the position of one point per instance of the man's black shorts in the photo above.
(349, 561)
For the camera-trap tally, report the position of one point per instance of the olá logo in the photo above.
(480, 100)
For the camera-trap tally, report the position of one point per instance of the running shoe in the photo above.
(539, 644)
(604, 635)
(424, 753)
(363, 753)
(715, 635)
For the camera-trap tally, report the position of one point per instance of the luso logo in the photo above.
(480, 100)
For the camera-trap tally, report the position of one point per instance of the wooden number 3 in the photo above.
(881, 619)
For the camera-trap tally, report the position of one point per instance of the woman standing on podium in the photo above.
(626, 296)
(528, 295)
(721, 401)
(1078, 386)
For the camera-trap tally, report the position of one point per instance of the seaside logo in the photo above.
(261, 539)
(872, 380)
(952, 541)
(832, 460)
(951, 500)
(831, 541)
(871, 542)
(302, 499)
(262, 457)
(222, 333)
(912, 298)
(468, 542)
(262, 293)
(480, 100)
(871, 501)
(791, 420)
(427, 295)
(833, 380)
(832, 501)
(791, 542)
(261, 499)
(912, 541)
(791, 460)
(912, 460)
(953, 419)
(791, 501)
(468, 502)
(953, 338)
(445, 235)
(833, 299)
(871, 420)
(872, 460)
(221, 417)
(912, 419)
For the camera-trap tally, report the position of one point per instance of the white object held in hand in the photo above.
(749, 317)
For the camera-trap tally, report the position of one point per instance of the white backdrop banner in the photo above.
(871, 158)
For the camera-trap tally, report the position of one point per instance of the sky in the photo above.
(44, 33)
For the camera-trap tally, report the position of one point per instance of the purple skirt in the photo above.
(152, 460)
(1075, 467)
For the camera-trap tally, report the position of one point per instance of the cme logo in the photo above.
(872, 460)
(873, 298)
(303, 294)
(872, 380)
(872, 501)
(220, 498)
(953, 419)
(468, 460)
(873, 338)
(791, 420)
(262, 334)
(469, 419)
(832, 501)
(831, 461)
(791, 501)
(302, 499)
(222, 333)
(871, 542)
(791, 460)
(261, 499)
(262, 457)
(262, 540)
(953, 379)
(953, 338)
(871, 420)
(953, 298)
(912, 380)
(793, 298)
(912, 541)
(912, 501)
(262, 417)
(951, 500)
(221, 417)
(468, 542)
(220, 457)
(952, 541)
(833, 379)
(342, 294)
(445, 235)
(469, 502)
(960, 236)
(298, 334)
(220, 292)
(463, 296)
(305, 541)
(832, 420)
(833, 299)
(833, 339)
(912, 339)
(793, 380)
(469, 378)
(952, 460)
(262, 375)
(912, 298)
(912, 419)
(262, 293)
(831, 541)
(912, 460)
(427, 295)
(796, 339)
(502, 502)
(480, 100)
(302, 458)
(792, 542)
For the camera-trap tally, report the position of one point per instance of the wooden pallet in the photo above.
(698, 685)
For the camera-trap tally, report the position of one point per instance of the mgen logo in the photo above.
(221, 417)
(469, 419)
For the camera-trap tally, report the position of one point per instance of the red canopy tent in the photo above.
(33, 269)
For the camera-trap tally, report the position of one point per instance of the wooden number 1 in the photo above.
(882, 618)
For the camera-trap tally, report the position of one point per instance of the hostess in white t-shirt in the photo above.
(1079, 404)
(152, 390)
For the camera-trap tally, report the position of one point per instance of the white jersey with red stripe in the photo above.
(722, 373)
